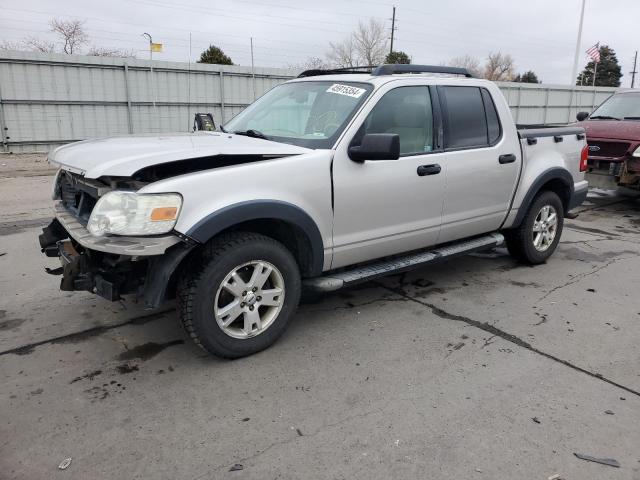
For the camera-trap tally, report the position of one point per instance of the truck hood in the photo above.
(612, 129)
(125, 155)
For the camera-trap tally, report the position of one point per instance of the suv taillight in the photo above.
(584, 155)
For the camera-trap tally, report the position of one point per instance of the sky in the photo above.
(539, 34)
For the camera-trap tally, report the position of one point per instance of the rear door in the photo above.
(481, 161)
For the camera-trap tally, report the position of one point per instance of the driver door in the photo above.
(385, 207)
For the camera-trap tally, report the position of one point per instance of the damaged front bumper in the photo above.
(111, 266)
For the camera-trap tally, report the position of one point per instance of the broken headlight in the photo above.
(129, 213)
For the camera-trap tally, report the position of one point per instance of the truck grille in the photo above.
(76, 197)
(607, 149)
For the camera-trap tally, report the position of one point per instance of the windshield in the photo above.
(307, 114)
(625, 106)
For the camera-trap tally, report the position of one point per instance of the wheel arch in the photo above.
(282, 221)
(557, 180)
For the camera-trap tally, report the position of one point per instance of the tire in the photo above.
(521, 241)
(218, 309)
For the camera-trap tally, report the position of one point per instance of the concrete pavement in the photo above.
(477, 368)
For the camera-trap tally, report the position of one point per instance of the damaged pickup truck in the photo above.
(333, 178)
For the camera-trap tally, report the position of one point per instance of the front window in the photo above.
(624, 106)
(405, 111)
(309, 113)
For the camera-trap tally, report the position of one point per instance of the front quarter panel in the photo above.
(303, 181)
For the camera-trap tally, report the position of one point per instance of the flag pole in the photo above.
(574, 71)
(595, 70)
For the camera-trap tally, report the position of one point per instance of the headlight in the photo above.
(636, 152)
(128, 213)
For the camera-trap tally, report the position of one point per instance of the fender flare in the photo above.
(217, 221)
(555, 173)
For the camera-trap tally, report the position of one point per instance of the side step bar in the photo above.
(337, 280)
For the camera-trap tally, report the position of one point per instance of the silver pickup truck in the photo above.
(333, 178)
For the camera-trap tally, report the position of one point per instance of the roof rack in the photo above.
(337, 71)
(389, 69)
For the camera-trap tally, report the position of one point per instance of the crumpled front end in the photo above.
(110, 266)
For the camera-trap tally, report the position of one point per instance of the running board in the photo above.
(337, 280)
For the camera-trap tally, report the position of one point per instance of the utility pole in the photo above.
(633, 74)
(578, 42)
(393, 28)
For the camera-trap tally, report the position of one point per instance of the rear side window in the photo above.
(470, 117)
(493, 123)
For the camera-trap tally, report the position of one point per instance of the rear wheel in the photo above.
(537, 237)
(238, 296)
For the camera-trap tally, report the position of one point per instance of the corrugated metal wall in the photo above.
(50, 99)
(551, 104)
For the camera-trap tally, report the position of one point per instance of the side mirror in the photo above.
(376, 146)
(582, 116)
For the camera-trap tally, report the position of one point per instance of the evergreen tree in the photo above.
(397, 57)
(527, 77)
(214, 55)
(608, 73)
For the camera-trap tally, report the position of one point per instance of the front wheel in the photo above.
(537, 237)
(237, 297)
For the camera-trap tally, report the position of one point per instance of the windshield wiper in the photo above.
(221, 127)
(604, 117)
(251, 133)
(632, 118)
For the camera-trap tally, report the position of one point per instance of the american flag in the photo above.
(594, 52)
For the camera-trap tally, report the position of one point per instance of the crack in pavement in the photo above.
(297, 437)
(84, 334)
(487, 327)
(351, 306)
(580, 276)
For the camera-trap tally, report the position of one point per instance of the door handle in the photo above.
(429, 170)
(508, 158)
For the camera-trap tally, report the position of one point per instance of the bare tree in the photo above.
(472, 64)
(370, 40)
(111, 52)
(72, 34)
(310, 63)
(499, 67)
(343, 54)
(38, 45)
(367, 45)
(11, 45)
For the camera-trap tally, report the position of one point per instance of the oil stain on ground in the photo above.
(573, 253)
(88, 376)
(11, 323)
(147, 350)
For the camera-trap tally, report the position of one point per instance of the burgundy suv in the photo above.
(613, 135)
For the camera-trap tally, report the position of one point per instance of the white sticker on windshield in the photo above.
(347, 90)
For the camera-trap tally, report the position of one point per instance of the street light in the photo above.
(150, 45)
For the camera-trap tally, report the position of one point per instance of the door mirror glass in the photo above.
(582, 116)
(376, 146)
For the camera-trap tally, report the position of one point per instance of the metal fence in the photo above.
(50, 99)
